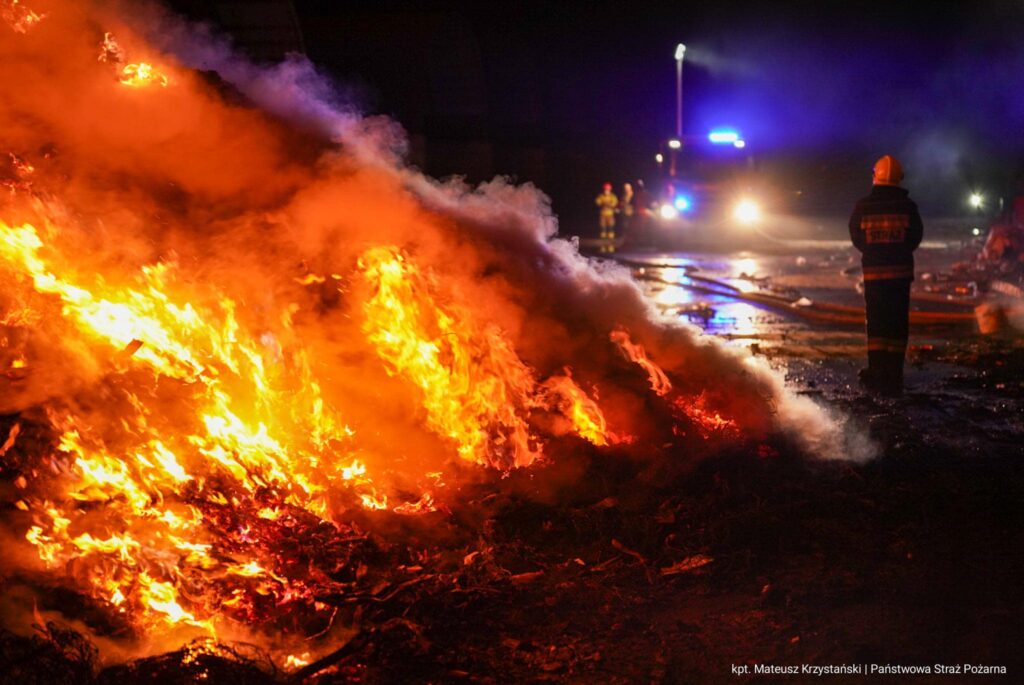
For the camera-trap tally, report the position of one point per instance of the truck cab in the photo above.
(708, 194)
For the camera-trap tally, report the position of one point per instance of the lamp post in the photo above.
(675, 144)
(680, 53)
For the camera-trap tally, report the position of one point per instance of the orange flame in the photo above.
(477, 392)
(660, 383)
(142, 74)
(251, 442)
(247, 434)
(708, 422)
(136, 75)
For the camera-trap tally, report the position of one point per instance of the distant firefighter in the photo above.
(639, 224)
(886, 227)
(607, 203)
(626, 216)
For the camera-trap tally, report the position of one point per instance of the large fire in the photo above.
(225, 374)
(140, 505)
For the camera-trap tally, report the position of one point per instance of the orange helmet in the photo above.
(888, 171)
(607, 187)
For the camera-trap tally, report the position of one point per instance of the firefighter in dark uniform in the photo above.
(886, 227)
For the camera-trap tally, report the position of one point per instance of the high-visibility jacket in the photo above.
(886, 227)
(607, 202)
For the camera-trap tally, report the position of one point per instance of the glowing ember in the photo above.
(12, 436)
(142, 74)
(19, 17)
(17, 177)
(708, 422)
(136, 75)
(110, 51)
(296, 661)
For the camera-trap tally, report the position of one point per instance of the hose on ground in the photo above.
(824, 312)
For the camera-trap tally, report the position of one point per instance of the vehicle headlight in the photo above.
(668, 212)
(747, 212)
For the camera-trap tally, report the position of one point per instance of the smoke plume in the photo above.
(222, 276)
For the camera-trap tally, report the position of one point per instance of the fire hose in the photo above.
(824, 312)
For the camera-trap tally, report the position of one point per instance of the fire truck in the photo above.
(708, 194)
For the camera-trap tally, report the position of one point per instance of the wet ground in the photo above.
(957, 392)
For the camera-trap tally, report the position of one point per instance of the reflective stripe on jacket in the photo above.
(886, 227)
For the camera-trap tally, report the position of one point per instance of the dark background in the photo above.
(569, 95)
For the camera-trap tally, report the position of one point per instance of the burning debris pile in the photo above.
(238, 337)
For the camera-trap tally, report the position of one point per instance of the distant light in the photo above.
(723, 136)
(740, 143)
(976, 200)
(682, 203)
(668, 212)
(659, 158)
(680, 51)
(675, 144)
(976, 231)
(747, 212)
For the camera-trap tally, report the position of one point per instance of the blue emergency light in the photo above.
(682, 203)
(723, 136)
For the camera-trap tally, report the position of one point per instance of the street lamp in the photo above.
(676, 142)
(680, 53)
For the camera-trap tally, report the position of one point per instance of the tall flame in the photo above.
(249, 431)
(247, 435)
(477, 392)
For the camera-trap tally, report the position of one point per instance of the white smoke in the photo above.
(516, 217)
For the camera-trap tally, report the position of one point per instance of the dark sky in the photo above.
(546, 90)
(814, 73)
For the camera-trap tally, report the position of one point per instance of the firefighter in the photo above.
(607, 203)
(627, 208)
(639, 232)
(886, 227)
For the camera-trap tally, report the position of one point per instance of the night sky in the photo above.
(567, 95)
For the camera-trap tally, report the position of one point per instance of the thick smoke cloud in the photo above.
(247, 197)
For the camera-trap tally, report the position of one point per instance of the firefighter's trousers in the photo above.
(607, 231)
(607, 222)
(888, 313)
